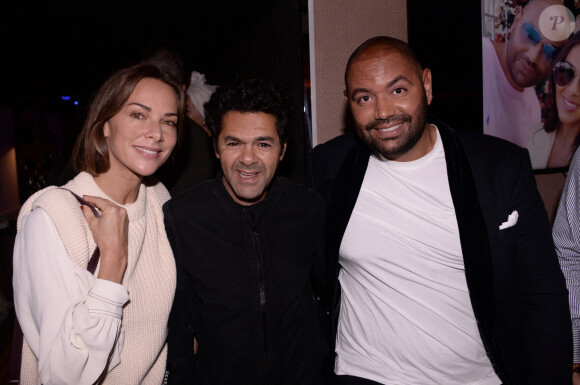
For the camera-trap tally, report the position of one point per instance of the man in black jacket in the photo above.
(246, 244)
(440, 260)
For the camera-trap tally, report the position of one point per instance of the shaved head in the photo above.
(382, 44)
(388, 93)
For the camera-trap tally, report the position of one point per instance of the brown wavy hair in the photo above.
(91, 153)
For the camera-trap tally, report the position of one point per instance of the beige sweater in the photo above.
(150, 275)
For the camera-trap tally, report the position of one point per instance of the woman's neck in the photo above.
(563, 146)
(567, 133)
(123, 189)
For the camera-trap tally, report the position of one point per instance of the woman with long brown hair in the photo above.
(110, 326)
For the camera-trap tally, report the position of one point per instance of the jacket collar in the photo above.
(272, 195)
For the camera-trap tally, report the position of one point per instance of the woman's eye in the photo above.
(170, 123)
(137, 115)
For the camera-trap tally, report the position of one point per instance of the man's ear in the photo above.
(283, 151)
(428, 85)
(519, 12)
(345, 94)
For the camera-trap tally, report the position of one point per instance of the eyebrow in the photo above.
(389, 84)
(359, 90)
(265, 138)
(143, 106)
(148, 109)
(256, 139)
(397, 79)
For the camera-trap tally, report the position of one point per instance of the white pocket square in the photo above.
(511, 221)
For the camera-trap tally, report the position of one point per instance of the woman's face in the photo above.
(142, 135)
(568, 96)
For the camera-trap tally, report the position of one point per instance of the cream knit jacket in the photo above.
(149, 278)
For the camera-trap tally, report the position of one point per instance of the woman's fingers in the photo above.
(110, 232)
(98, 203)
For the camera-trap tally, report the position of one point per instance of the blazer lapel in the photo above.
(345, 193)
(472, 229)
(473, 236)
(340, 205)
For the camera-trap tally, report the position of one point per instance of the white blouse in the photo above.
(70, 318)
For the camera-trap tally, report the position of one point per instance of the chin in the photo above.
(571, 121)
(249, 196)
(145, 171)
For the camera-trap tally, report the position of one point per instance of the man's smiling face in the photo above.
(388, 95)
(249, 151)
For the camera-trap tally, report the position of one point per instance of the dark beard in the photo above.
(407, 141)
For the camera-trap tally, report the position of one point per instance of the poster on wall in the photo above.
(531, 94)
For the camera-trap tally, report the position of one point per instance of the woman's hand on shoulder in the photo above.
(111, 233)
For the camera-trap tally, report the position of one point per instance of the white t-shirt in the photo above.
(405, 315)
(507, 112)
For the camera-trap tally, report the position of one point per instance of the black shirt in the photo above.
(244, 286)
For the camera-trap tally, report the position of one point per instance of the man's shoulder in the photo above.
(326, 159)
(194, 197)
(487, 45)
(490, 52)
(476, 143)
(489, 147)
(339, 145)
(297, 192)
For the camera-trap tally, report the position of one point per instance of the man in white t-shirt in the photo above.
(441, 267)
(511, 69)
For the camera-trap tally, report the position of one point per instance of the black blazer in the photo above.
(516, 287)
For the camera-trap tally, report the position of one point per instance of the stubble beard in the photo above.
(403, 143)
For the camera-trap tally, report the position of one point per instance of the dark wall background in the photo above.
(447, 38)
(51, 49)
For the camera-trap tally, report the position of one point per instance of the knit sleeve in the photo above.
(70, 319)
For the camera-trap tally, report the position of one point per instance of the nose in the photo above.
(383, 109)
(155, 131)
(535, 53)
(248, 155)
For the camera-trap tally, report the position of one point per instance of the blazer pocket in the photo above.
(507, 234)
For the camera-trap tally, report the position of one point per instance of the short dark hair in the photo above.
(91, 152)
(389, 43)
(249, 95)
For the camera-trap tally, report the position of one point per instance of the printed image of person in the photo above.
(109, 327)
(439, 254)
(511, 69)
(553, 143)
(246, 246)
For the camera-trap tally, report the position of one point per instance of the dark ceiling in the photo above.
(69, 48)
